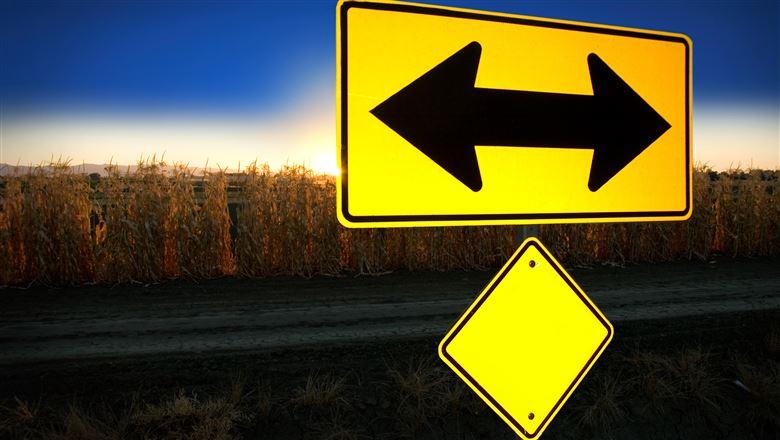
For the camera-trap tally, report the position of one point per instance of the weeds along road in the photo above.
(44, 325)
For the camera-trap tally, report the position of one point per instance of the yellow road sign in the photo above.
(528, 340)
(456, 117)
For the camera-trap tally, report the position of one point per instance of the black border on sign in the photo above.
(484, 298)
(417, 9)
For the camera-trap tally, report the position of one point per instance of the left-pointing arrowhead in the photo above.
(626, 124)
(433, 114)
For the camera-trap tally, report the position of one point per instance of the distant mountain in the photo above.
(87, 168)
(6, 169)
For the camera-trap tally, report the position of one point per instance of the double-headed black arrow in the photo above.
(444, 116)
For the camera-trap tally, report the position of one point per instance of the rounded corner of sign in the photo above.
(344, 221)
(532, 240)
(345, 218)
(343, 5)
(687, 214)
(535, 243)
(610, 332)
(446, 357)
(685, 40)
(442, 349)
(523, 434)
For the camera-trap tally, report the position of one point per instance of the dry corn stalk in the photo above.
(156, 222)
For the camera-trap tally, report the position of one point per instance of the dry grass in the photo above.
(336, 428)
(157, 222)
(687, 376)
(21, 418)
(187, 417)
(425, 401)
(601, 407)
(319, 391)
(417, 379)
(422, 394)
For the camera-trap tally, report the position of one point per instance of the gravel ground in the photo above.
(44, 325)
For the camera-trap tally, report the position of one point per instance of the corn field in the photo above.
(60, 227)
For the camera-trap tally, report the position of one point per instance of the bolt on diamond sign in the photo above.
(455, 117)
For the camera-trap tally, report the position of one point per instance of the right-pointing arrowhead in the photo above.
(433, 114)
(627, 125)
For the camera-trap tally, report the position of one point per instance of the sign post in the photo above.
(456, 117)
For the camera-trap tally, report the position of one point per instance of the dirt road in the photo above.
(44, 325)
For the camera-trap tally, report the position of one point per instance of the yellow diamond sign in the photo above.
(528, 340)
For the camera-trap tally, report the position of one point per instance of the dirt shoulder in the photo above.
(185, 318)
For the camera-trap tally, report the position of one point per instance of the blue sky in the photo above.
(233, 69)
